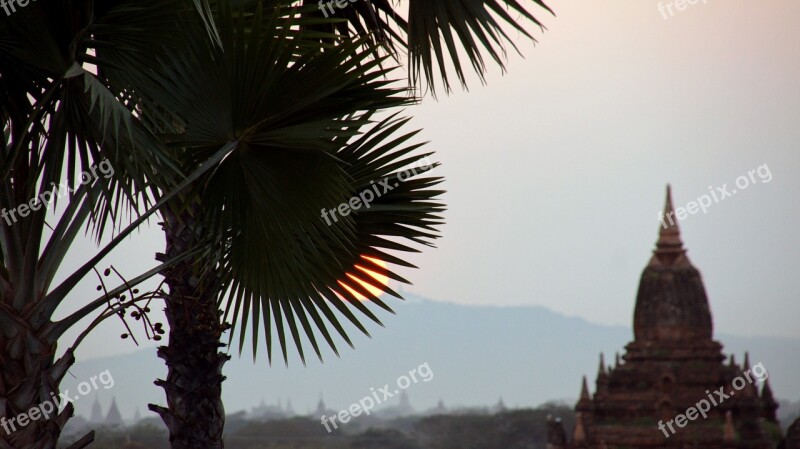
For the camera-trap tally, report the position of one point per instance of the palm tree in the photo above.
(61, 123)
(291, 97)
(315, 141)
(292, 119)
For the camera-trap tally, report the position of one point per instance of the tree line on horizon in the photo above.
(514, 429)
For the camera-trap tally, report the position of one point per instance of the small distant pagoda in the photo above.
(672, 364)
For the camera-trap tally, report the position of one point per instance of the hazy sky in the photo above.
(556, 171)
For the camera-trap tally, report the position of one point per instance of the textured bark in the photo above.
(29, 376)
(194, 415)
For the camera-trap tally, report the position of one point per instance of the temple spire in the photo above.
(768, 403)
(585, 401)
(766, 391)
(669, 247)
(601, 370)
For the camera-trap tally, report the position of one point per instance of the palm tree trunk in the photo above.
(29, 379)
(194, 415)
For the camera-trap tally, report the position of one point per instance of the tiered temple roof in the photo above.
(671, 365)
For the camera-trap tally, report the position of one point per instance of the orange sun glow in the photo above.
(378, 278)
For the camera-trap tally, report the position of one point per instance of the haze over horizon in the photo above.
(544, 356)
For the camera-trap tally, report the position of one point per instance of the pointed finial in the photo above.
(321, 403)
(732, 361)
(616, 360)
(602, 369)
(669, 246)
(585, 390)
(585, 401)
(669, 221)
(746, 361)
(768, 402)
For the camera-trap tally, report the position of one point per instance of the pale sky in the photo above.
(556, 170)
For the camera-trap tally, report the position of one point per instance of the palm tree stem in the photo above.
(195, 415)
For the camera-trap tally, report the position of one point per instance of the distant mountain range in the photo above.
(476, 354)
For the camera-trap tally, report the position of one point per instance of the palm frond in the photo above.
(293, 253)
(436, 29)
(434, 33)
(301, 118)
(87, 117)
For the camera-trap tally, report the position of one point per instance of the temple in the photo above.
(653, 395)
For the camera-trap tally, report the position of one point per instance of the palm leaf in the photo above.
(299, 263)
(301, 121)
(89, 116)
(435, 32)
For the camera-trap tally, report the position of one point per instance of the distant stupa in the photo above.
(673, 363)
(114, 418)
(404, 408)
(500, 407)
(322, 409)
(97, 413)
